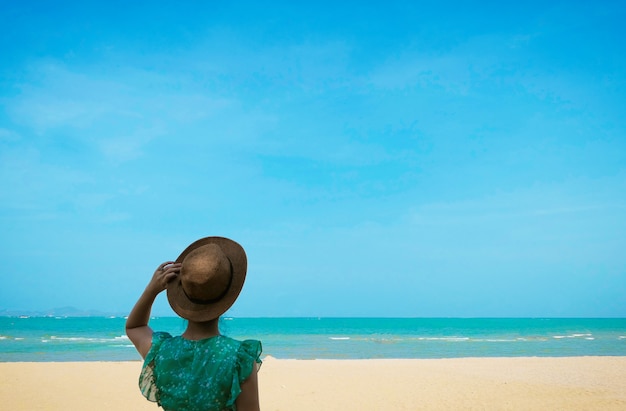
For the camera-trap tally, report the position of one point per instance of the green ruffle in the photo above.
(248, 356)
(147, 384)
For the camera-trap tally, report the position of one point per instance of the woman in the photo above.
(199, 370)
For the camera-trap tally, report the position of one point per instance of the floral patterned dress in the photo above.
(203, 375)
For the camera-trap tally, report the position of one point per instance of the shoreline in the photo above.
(512, 383)
(347, 360)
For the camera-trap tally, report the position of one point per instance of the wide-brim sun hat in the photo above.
(211, 277)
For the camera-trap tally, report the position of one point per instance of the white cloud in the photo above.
(118, 112)
(9, 136)
(29, 183)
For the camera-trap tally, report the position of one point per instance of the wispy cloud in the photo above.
(118, 112)
(532, 204)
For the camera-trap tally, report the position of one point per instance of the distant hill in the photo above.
(58, 312)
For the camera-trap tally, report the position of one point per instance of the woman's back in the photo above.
(203, 375)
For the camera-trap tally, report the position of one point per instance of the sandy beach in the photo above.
(576, 383)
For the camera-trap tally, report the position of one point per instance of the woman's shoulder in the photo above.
(237, 347)
(161, 335)
(243, 349)
(238, 343)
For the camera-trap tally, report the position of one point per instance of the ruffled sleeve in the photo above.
(248, 356)
(147, 384)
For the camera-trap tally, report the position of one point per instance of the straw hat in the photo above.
(211, 277)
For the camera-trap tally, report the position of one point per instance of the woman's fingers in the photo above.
(173, 267)
(170, 271)
(164, 265)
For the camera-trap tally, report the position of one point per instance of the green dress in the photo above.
(203, 375)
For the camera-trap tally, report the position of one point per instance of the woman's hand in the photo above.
(165, 273)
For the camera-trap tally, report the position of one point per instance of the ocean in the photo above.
(103, 339)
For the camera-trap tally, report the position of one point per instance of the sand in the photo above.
(576, 383)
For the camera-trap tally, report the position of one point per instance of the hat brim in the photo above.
(191, 311)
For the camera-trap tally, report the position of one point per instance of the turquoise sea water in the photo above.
(103, 339)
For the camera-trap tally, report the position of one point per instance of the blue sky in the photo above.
(389, 159)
